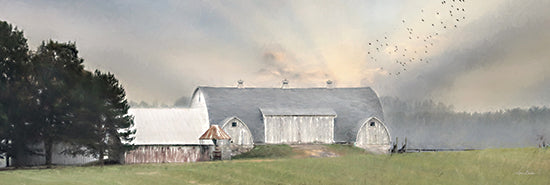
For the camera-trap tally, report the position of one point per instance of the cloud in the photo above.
(281, 64)
(162, 50)
(495, 66)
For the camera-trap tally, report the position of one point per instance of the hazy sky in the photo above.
(497, 56)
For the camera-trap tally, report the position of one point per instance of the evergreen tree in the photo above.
(47, 98)
(15, 92)
(117, 123)
(57, 71)
(104, 118)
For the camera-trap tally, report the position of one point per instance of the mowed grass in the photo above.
(492, 166)
(267, 151)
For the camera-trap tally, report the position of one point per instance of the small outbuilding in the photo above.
(222, 150)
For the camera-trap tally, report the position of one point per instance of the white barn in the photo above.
(165, 135)
(296, 115)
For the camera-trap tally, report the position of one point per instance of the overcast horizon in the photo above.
(477, 56)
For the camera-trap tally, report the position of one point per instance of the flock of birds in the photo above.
(416, 46)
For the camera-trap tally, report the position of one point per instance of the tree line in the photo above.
(430, 125)
(48, 98)
(182, 102)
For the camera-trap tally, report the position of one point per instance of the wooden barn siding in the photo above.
(167, 154)
(240, 135)
(299, 129)
(241, 138)
(373, 138)
(224, 146)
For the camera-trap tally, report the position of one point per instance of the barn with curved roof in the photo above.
(296, 115)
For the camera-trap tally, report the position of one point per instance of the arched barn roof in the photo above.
(351, 105)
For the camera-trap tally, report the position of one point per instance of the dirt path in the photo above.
(315, 151)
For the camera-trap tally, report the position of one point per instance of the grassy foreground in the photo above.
(267, 151)
(492, 166)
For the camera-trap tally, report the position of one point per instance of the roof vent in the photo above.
(330, 84)
(240, 84)
(285, 84)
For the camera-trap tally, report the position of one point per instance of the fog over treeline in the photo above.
(181, 102)
(428, 124)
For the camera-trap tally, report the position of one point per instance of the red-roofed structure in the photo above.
(215, 132)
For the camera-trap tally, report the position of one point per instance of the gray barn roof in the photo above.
(297, 112)
(351, 105)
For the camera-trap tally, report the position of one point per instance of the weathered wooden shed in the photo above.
(292, 115)
(166, 135)
(222, 150)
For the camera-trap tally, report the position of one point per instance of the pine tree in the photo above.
(117, 122)
(15, 92)
(103, 118)
(47, 97)
(57, 71)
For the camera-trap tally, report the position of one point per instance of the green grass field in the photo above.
(492, 166)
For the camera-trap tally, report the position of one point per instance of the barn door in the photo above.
(241, 133)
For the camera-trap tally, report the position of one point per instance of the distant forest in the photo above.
(427, 124)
